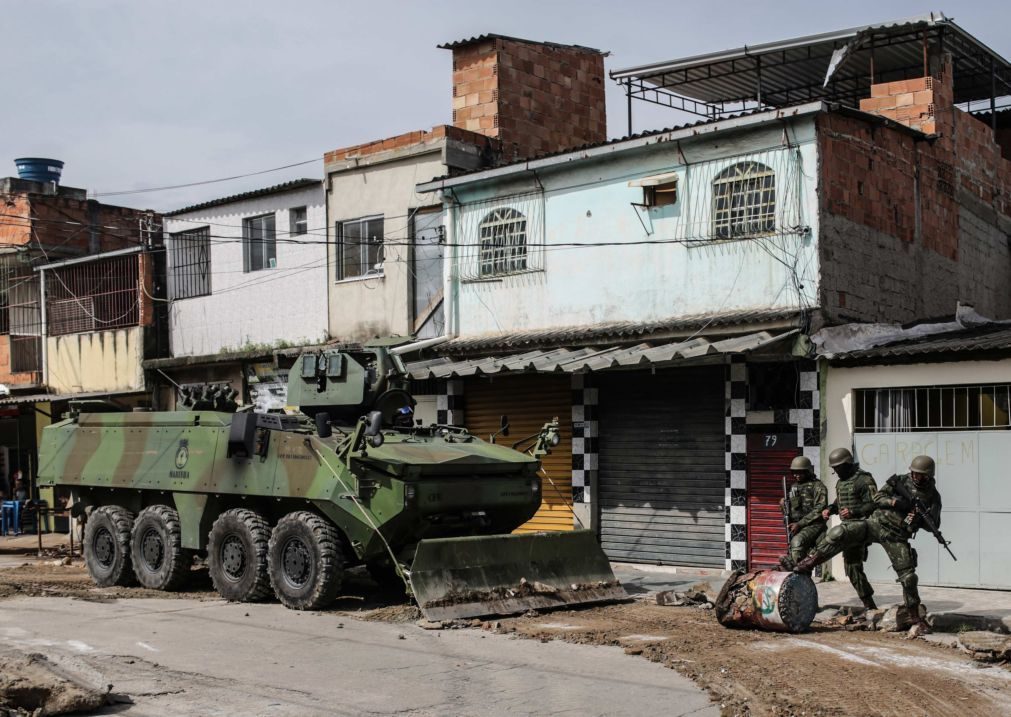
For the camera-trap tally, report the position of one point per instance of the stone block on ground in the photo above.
(985, 646)
(897, 618)
(960, 622)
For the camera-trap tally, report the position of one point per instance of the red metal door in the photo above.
(769, 457)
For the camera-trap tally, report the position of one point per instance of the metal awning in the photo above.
(833, 66)
(595, 359)
(42, 397)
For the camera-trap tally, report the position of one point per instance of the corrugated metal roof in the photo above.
(621, 331)
(276, 189)
(995, 338)
(594, 359)
(41, 397)
(800, 65)
(495, 36)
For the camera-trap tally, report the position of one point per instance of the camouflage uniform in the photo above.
(856, 493)
(888, 526)
(808, 498)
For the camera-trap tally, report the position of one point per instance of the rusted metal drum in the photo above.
(769, 600)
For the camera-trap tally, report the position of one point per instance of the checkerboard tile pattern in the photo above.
(736, 437)
(585, 437)
(449, 402)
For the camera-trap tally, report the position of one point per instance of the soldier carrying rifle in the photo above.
(904, 504)
(802, 506)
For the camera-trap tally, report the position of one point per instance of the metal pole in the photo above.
(758, 67)
(628, 96)
(42, 309)
(993, 96)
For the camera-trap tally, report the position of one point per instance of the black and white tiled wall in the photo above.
(585, 435)
(449, 403)
(736, 437)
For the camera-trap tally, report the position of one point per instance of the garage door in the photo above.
(972, 478)
(769, 457)
(661, 467)
(529, 401)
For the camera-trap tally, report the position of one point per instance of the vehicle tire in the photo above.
(305, 561)
(237, 555)
(107, 546)
(383, 573)
(156, 549)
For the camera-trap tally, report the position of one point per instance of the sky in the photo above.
(139, 94)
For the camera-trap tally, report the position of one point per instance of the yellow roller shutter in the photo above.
(529, 401)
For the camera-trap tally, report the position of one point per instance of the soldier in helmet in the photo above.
(808, 498)
(892, 524)
(855, 492)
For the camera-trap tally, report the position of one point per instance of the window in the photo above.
(503, 249)
(190, 259)
(932, 408)
(744, 201)
(298, 218)
(93, 296)
(259, 243)
(660, 190)
(360, 248)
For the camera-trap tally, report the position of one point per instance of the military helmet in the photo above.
(922, 464)
(840, 456)
(801, 464)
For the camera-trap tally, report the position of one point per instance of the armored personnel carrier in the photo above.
(282, 505)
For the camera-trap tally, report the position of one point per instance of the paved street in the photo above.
(189, 657)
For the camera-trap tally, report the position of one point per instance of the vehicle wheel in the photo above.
(305, 561)
(382, 572)
(237, 555)
(156, 549)
(107, 546)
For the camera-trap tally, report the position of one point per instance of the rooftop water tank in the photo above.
(39, 169)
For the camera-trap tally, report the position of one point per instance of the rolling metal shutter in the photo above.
(529, 401)
(661, 467)
(769, 457)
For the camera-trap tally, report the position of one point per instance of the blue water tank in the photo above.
(39, 169)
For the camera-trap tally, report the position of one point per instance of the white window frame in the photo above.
(267, 246)
(298, 226)
(377, 269)
(744, 201)
(502, 236)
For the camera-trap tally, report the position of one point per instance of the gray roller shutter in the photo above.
(661, 467)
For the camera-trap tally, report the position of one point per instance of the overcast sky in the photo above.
(136, 94)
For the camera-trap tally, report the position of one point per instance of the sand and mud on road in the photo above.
(828, 671)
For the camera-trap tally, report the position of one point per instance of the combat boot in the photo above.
(869, 602)
(807, 565)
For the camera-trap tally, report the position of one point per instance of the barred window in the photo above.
(932, 408)
(190, 256)
(744, 201)
(503, 249)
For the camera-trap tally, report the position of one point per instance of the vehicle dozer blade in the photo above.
(507, 574)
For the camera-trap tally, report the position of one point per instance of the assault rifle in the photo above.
(920, 509)
(786, 510)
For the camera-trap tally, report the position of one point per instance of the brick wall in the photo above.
(73, 227)
(15, 227)
(536, 98)
(911, 225)
(408, 139)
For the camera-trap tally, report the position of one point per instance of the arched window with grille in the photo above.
(744, 201)
(503, 247)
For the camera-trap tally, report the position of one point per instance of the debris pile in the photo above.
(33, 685)
(892, 619)
(985, 646)
(698, 595)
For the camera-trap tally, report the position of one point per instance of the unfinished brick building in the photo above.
(914, 141)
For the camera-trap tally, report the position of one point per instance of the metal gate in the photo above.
(661, 467)
(529, 401)
(769, 456)
(972, 478)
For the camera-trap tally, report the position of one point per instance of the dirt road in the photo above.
(745, 672)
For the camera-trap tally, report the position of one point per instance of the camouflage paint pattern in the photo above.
(141, 456)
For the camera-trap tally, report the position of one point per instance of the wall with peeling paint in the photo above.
(96, 361)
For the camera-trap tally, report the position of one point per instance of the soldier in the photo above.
(808, 498)
(893, 523)
(855, 491)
